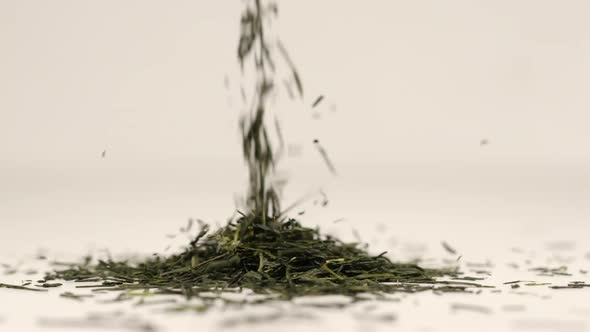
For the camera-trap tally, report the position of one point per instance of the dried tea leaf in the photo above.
(448, 248)
(317, 101)
(20, 288)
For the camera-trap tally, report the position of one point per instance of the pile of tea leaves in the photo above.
(263, 250)
(280, 258)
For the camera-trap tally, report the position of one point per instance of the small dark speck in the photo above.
(50, 285)
(484, 142)
(104, 153)
(317, 101)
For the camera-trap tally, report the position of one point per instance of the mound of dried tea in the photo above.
(280, 257)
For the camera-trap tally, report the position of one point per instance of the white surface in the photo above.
(543, 309)
(415, 87)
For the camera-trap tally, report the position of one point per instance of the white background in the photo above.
(412, 88)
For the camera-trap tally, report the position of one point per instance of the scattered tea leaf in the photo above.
(550, 272)
(317, 101)
(50, 285)
(77, 297)
(517, 282)
(572, 285)
(469, 278)
(324, 155)
(188, 227)
(20, 287)
(538, 284)
(448, 248)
